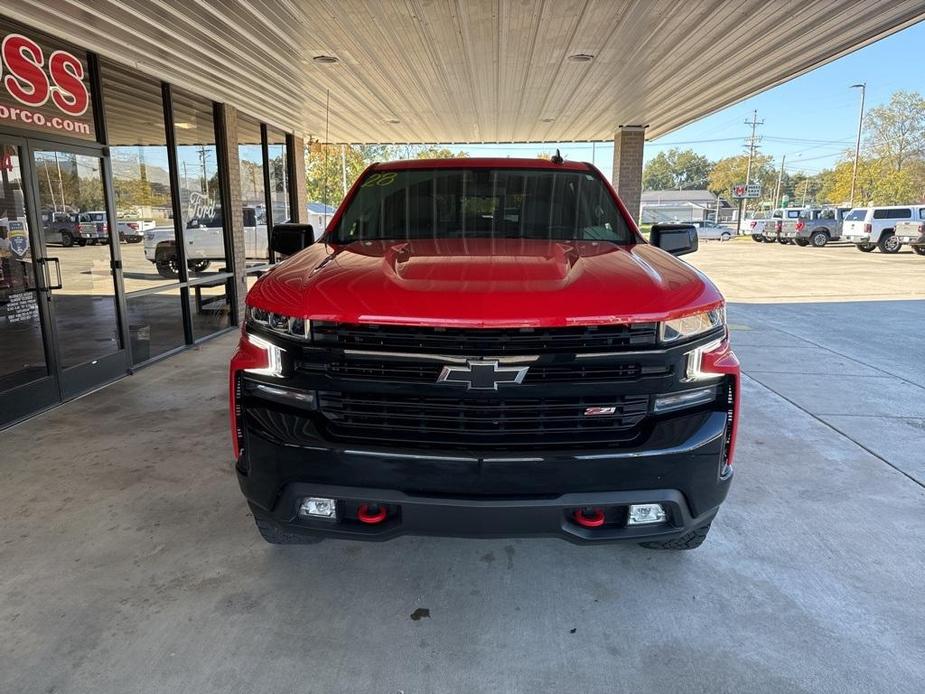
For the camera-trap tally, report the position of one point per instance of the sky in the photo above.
(816, 114)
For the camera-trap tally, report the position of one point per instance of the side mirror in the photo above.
(290, 238)
(677, 239)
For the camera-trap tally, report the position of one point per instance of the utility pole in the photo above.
(805, 190)
(752, 145)
(780, 177)
(857, 146)
(343, 169)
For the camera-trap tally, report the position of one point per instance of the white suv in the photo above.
(873, 227)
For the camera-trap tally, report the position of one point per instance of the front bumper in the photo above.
(534, 494)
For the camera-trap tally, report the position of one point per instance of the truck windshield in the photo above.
(486, 203)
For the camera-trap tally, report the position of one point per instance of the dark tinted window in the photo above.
(496, 203)
(894, 213)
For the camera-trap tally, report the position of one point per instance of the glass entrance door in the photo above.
(79, 267)
(27, 382)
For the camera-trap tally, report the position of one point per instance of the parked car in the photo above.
(133, 230)
(707, 229)
(874, 227)
(81, 228)
(464, 359)
(912, 232)
(764, 229)
(815, 227)
(756, 226)
(204, 243)
(773, 232)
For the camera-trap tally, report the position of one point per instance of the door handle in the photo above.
(49, 285)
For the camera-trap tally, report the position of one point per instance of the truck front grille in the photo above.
(392, 371)
(484, 341)
(474, 422)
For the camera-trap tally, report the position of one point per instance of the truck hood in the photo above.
(484, 283)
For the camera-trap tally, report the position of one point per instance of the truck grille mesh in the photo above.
(487, 341)
(480, 421)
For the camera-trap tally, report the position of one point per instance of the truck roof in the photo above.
(482, 163)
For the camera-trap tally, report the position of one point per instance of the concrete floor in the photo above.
(129, 563)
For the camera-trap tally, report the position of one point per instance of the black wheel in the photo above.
(918, 250)
(198, 265)
(758, 238)
(81, 242)
(67, 240)
(725, 236)
(819, 239)
(783, 242)
(801, 242)
(167, 267)
(275, 535)
(691, 540)
(865, 247)
(888, 243)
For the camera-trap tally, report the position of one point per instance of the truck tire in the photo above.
(81, 242)
(801, 242)
(273, 534)
(865, 247)
(67, 240)
(198, 265)
(918, 250)
(888, 243)
(167, 267)
(758, 238)
(783, 242)
(819, 239)
(691, 540)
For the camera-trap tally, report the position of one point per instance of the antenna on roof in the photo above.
(557, 158)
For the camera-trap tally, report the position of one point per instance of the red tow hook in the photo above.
(372, 514)
(589, 517)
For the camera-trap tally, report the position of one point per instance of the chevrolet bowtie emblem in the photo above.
(482, 375)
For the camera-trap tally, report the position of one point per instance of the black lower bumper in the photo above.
(534, 494)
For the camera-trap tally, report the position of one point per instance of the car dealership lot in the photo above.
(130, 563)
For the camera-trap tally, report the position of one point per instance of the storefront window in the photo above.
(253, 191)
(279, 175)
(45, 86)
(202, 220)
(144, 209)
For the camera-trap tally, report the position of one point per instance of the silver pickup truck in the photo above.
(912, 233)
(814, 227)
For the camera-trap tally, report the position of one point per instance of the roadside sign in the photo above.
(746, 190)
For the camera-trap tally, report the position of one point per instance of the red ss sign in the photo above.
(32, 80)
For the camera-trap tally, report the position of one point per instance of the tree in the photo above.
(896, 131)
(878, 182)
(676, 169)
(730, 171)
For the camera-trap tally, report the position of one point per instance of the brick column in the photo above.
(628, 146)
(231, 200)
(299, 209)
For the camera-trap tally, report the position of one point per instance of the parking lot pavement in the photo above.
(130, 563)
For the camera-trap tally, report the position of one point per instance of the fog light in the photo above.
(318, 507)
(643, 514)
(684, 398)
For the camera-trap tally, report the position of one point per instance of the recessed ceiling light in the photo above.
(326, 59)
(393, 121)
(547, 120)
(580, 58)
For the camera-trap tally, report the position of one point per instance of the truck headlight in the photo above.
(693, 325)
(298, 328)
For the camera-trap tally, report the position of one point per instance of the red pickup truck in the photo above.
(484, 347)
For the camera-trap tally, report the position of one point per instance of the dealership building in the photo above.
(146, 148)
